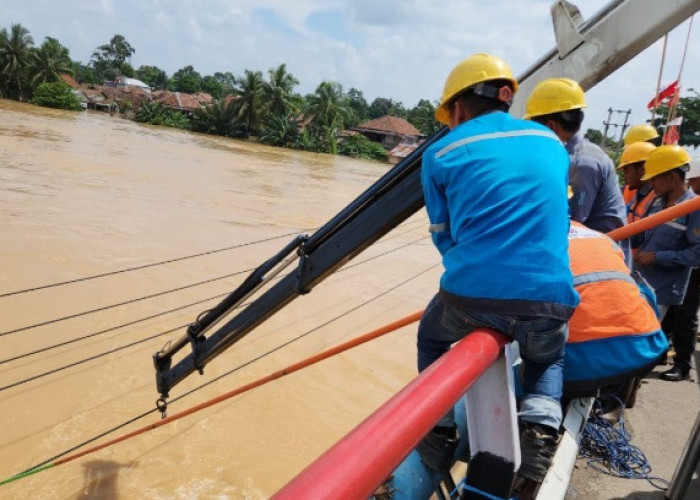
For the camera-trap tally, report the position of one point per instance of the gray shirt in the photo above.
(597, 201)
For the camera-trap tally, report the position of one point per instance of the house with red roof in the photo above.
(389, 131)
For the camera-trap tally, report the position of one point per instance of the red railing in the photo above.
(360, 462)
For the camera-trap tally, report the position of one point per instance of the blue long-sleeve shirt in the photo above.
(676, 246)
(495, 190)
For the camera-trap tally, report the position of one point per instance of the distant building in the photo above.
(179, 101)
(402, 150)
(125, 81)
(70, 81)
(389, 131)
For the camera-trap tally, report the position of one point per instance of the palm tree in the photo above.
(16, 57)
(250, 104)
(327, 105)
(51, 61)
(280, 130)
(218, 118)
(279, 92)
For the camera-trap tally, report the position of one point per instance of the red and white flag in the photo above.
(664, 94)
(677, 121)
(672, 135)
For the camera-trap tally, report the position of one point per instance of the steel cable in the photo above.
(48, 462)
(131, 344)
(144, 266)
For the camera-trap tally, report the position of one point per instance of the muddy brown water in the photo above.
(85, 194)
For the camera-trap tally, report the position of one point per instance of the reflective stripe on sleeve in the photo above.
(676, 225)
(496, 135)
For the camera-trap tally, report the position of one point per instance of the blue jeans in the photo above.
(541, 342)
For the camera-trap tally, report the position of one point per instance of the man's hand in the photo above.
(644, 258)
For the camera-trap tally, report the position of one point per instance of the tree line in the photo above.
(253, 104)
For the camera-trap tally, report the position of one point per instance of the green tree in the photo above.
(329, 111)
(155, 113)
(596, 136)
(51, 61)
(218, 118)
(111, 60)
(155, 77)
(250, 104)
(359, 106)
(689, 109)
(359, 146)
(422, 116)
(186, 80)
(382, 106)
(280, 130)
(56, 95)
(227, 81)
(278, 92)
(16, 60)
(84, 73)
(213, 86)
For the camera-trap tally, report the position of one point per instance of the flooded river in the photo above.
(85, 194)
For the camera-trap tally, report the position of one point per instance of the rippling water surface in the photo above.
(85, 194)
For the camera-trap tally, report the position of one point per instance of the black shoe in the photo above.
(676, 374)
(438, 447)
(537, 447)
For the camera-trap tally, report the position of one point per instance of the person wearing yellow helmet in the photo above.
(642, 133)
(681, 321)
(597, 202)
(637, 194)
(495, 192)
(668, 252)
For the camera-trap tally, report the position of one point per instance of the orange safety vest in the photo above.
(628, 194)
(614, 333)
(638, 209)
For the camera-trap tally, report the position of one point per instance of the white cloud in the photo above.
(402, 49)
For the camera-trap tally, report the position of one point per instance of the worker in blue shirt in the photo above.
(681, 321)
(495, 191)
(597, 201)
(668, 252)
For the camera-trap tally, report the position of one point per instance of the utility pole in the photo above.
(605, 131)
(623, 126)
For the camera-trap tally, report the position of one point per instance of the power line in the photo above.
(136, 268)
(117, 349)
(130, 301)
(48, 461)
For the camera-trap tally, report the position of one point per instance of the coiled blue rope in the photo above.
(608, 449)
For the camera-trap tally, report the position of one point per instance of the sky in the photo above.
(399, 49)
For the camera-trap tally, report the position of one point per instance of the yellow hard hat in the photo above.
(472, 71)
(663, 159)
(554, 95)
(640, 133)
(634, 153)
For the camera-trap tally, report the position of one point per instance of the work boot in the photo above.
(676, 374)
(537, 446)
(438, 447)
